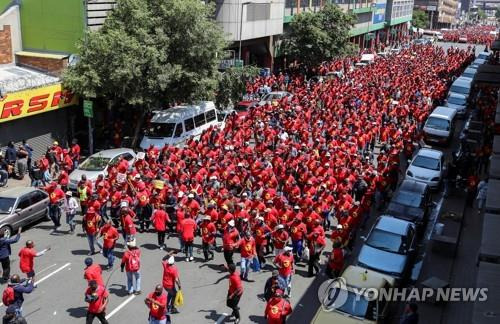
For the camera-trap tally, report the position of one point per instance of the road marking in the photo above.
(43, 270)
(221, 318)
(52, 273)
(117, 309)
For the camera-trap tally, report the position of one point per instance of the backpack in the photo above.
(134, 262)
(8, 296)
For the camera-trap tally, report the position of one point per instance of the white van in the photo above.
(462, 85)
(175, 125)
(366, 59)
(440, 126)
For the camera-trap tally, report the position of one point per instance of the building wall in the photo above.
(10, 34)
(51, 66)
(5, 45)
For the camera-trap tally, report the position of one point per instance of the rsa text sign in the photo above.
(31, 102)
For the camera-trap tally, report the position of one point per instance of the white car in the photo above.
(98, 163)
(427, 167)
(275, 96)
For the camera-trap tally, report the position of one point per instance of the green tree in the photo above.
(316, 37)
(232, 85)
(481, 15)
(420, 19)
(150, 53)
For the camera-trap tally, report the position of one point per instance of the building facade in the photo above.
(441, 13)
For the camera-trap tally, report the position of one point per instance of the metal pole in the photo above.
(432, 19)
(91, 138)
(241, 29)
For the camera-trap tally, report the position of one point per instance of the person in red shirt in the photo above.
(131, 263)
(280, 239)
(297, 231)
(188, 228)
(143, 208)
(277, 308)
(75, 153)
(128, 226)
(284, 262)
(90, 224)
(335, 261)
(93, 272)
(247, 252)
(157, 304)
(235, 292)
(26, 259)
(97, 298)
(262, 232)
(56, 198)
(208, 232)
(230, 240)
(170, 281)
(109, 235)
(317, 243)
(160, 219)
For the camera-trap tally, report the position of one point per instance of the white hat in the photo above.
(69, 193)
(131, 243)
(296, 207)
(213, 178)
(339, 226)
(180, 194)
(124, 204)
(288, 248)
(171, 260)
(244, 194)
(137, 176)
(190, 195)
(231, 223)
(207, 218)
(280, 226)
(260, 218)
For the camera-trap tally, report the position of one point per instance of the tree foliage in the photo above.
(481, 15)
(497, 14)
(318, 36)
(149, 53)
(420, 19)
(232, 85)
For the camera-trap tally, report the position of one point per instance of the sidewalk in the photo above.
(14, 183)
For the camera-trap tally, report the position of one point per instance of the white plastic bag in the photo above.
(305, 254)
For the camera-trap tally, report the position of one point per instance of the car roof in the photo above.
(457, 95)
(113, 152)
(444, 112)
(392, 225)
(283, 93)
(463, 81)
(471, 69)
(179, 113)
(16, 192)
(360, 277)
(430, 153)
(413, 186)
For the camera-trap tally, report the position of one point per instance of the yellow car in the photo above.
(355, 305)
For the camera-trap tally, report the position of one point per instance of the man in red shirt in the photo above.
(317, 243)
(235, 292)
(97, 298)
(297, 231)
(93, 272)
(230, 239)
(208, 232)
(160, 219)
(247, 252)
(90, 224)
(109, 235)
(280, 239)
(143, 206)
(335, 262)
(75, 153)
(284, 262)
(131, 263)
(170, 281)
(157, 304)
(128, 226)
(26, 259)
(188, 228)
(56, 197)
(277, 308)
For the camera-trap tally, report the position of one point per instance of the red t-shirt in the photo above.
(208, 232)
(247, 247)
(156, 311)
(128, 255)
(188, 227)
(230, 238)
(91, 223)
(109, 235)
(128, 225)
(26, 257)
(235, 282)
(276, 310)
(280, 239)
(285, 264)
(94, 272)
(170, 274)
(160, 219)
(101, 292)
(56, 195)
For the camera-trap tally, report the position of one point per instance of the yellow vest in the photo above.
(82, 193)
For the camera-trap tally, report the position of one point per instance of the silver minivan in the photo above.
(440, 126)
(462, 85)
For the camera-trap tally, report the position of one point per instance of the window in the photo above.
(24, 202)
(127, 156)
(189, 124)
(199, 120)
(178, 130)
(160, 130)
(210, 115)
(36, 197)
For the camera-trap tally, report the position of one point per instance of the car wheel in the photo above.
(6, 231)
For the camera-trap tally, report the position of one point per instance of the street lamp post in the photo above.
(372, 7)
(241, 26)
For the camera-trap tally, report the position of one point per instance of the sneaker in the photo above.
(161, 248)
(187, 259)
(130, 293)
(191, 259)
(138, 292)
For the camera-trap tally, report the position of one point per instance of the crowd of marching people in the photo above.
(474, 34)
(279, 182)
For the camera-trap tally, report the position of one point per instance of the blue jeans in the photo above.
(3, 177)
(155, 321)
(130, 281)
(55, 214)
(245, 267)
(297, 248)
(108, 253)
(70, 221)
(92, 241)
(286, 282)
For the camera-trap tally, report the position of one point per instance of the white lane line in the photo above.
(221, 318)
(52, 273)
(43, 270)
(117, 309)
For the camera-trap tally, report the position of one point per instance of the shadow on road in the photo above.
(77, 312)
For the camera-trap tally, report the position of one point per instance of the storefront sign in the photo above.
(31, 102)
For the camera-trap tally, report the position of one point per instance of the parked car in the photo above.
(358, 307)
(98, 163)
(462, 39)
(412, 202)
(389, 248)
(427, 166)
(20, 207)
(244, 106)
(484, 55)
(275, 96)
(458, 102)
(469, 72)
(439, 128)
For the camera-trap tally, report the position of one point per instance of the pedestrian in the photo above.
(4, 171)
(160, 219)
(277, 308)
(248, 253)
(11, 154)
(71, 208)
(235, 292)
(188, 228)
(285, 262)
(109, 235)
(11, 317)
(335, 261)
(482, 192)
(410, 315)
(56, 200)
(13, 296)
(26, 259)
(157, 304)
(90, 224)
(92, 272)
(170, 281)
(272, 283)
(280, 239)
(298, 231)
(5, 252)
(316, 245)
(84, 193)
(230, 239)
(75, 153)
(22, 162)
(127, 222)
(208, 232)
(131, 262)
(97, 298)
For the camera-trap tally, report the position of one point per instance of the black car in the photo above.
(412, 202)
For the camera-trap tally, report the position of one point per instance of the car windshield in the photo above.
(242, 108)
(355, 305)
(271, 96)
(407, 198)
(456, 101)
(94, 163)
(385, 241)
(468, 74)
(438, 123)
(6, 205)
(459, 89)
(426, 163)
(160, 130)
(483, 56)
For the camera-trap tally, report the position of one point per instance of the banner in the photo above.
(31, 102)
